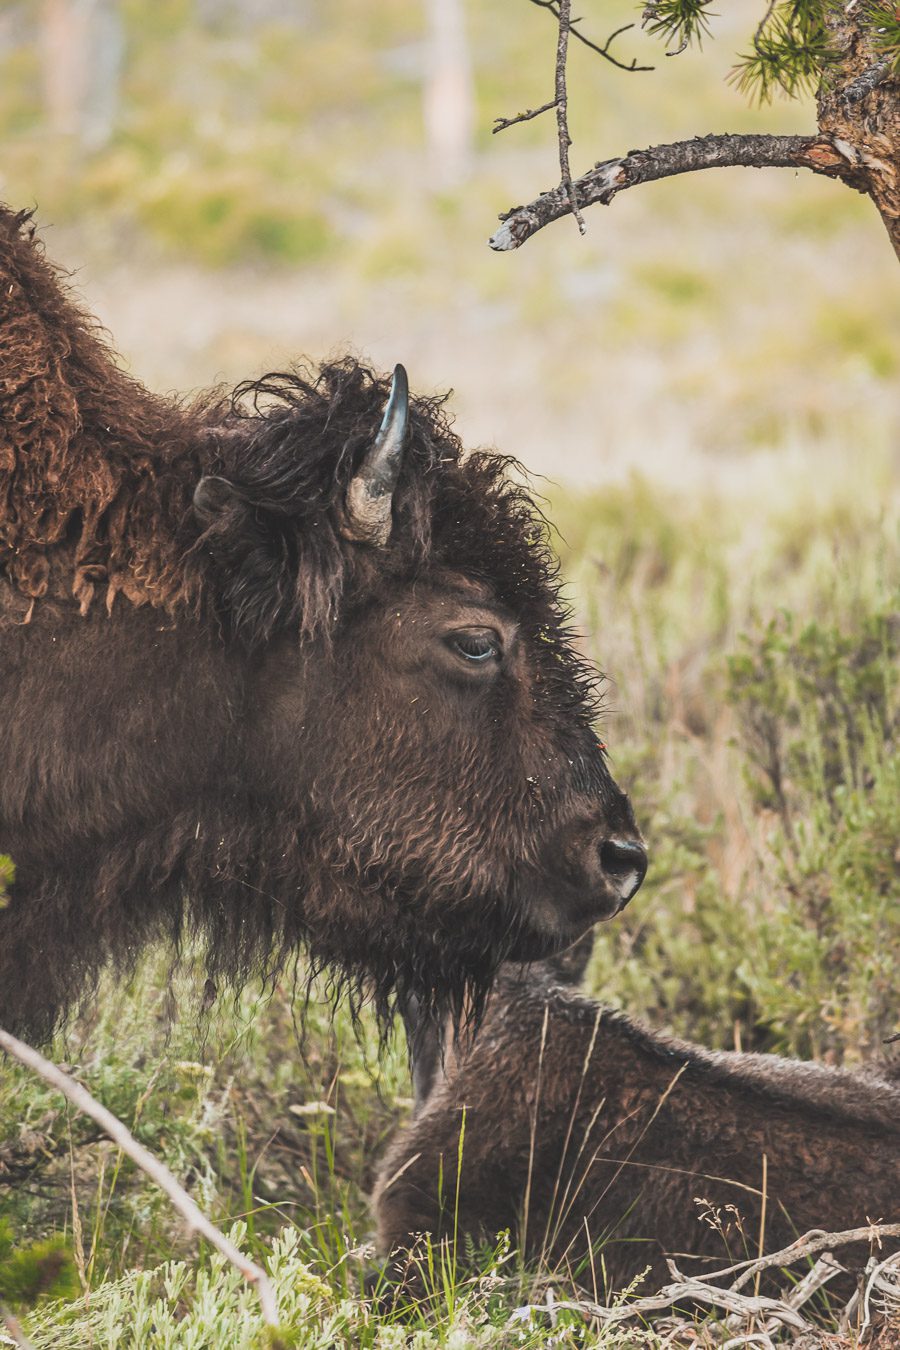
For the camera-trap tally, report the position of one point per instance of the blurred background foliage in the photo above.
(708, 382)
(237, 183)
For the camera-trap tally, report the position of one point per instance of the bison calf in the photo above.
(589, 1137)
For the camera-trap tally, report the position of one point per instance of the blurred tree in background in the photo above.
(449, 96)
(336, 160)
(81, 46)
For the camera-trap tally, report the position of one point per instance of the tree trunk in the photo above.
(859, 111)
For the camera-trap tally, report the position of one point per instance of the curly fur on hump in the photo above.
(89, 459)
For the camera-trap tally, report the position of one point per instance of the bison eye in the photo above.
(477, 647)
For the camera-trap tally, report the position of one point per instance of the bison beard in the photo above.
(250, 692)
(614, 1131)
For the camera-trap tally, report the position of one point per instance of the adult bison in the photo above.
(592, 1139)
(285, 670)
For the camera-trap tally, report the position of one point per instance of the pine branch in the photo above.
(680, 22)
(606, 179)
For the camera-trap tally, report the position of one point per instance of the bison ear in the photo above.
(212, 497)
(367, 506)
(250, 573)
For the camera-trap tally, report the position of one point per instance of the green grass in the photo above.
(757, 729)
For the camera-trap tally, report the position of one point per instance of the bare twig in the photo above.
(650, 15)
(604, 51)
(825, 1269)
(13, 1327)
(562, 9)
(562, 112)
(611, 176)
(195, 1219)
(810, 1244)
(757, 36)
(501, 123)
(876, 1282)
(690, 1290)
(762, 1216)
(768, 1312)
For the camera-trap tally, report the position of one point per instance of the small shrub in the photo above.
(35, 1271)
(818, 712)
(7, 877)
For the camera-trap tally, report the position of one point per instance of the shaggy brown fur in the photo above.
(91, 464)
(629, 1138)
(229, 719)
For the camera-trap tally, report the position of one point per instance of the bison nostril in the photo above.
(625, 863)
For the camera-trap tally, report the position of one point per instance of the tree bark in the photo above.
(859, 110)
(611, 176)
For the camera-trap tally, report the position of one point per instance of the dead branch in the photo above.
(17, 1335)
(825, 1269)
(632, 66)
(650, 19)
(562, 112)
(158, 1173)
(562, 9)
(768, 1312)
(884, 1279)
(810, 1244)
(687, 1289)
(870, 79)
(611, 176)
(501, 123)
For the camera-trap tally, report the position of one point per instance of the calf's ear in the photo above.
(367, 505)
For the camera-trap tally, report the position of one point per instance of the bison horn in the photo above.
(212, 496)
(367, 507)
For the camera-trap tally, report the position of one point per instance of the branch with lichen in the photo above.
(602, 183)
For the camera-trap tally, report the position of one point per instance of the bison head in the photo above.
(418, 724)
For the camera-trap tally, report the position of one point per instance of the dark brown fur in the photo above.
(630, 1128)
(241, 724)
